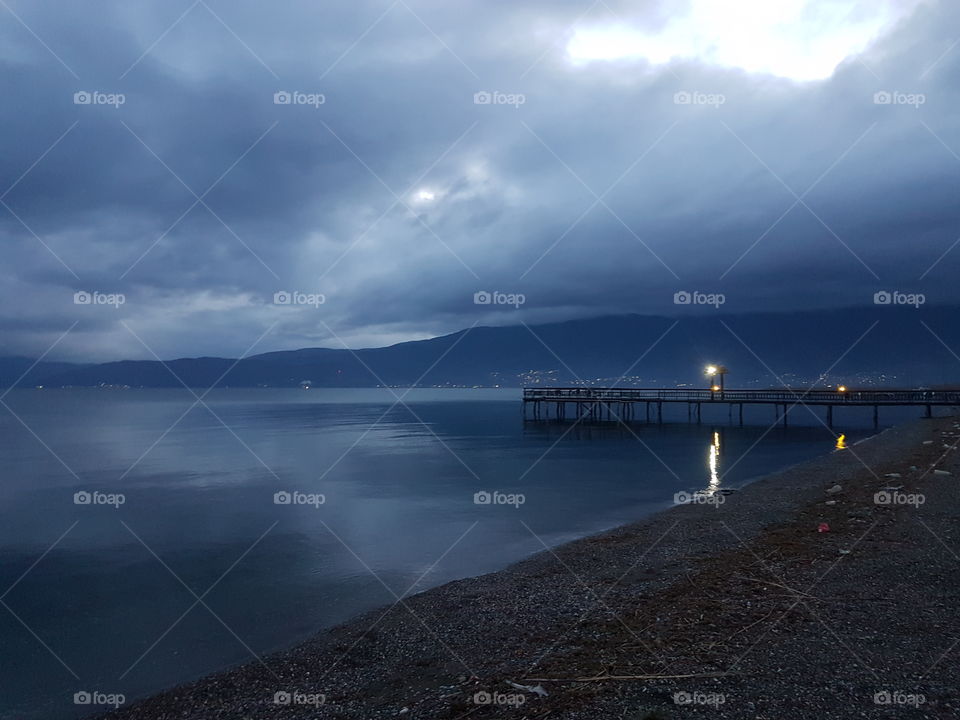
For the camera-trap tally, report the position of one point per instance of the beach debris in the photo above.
(538, 689)
(844, 552)
(928, 442)
(823, 527)
(831, 502)
(942, 472)
(893, 475)
(834, 490)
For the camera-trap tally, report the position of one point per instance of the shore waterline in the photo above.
(200, 486)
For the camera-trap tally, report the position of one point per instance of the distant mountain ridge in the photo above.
(894, 349)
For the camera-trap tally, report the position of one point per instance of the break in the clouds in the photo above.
(301, 174)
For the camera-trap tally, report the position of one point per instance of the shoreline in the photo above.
(429, 654)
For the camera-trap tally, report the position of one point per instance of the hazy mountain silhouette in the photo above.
(895, 349)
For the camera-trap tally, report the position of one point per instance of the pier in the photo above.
(595, 404)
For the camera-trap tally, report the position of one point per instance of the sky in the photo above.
(203, 177)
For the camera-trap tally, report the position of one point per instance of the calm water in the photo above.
(104, 608)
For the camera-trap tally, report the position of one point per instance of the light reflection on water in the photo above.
(713, 463)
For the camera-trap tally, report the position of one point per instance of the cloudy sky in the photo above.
(193, 159)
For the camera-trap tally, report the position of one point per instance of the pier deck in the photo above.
(620, 404)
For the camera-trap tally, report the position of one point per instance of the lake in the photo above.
(287, 511)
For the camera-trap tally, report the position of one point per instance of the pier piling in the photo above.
(618, 404)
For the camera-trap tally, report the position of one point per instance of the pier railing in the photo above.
(784, 395)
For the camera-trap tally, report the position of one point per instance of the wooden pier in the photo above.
(626, 404)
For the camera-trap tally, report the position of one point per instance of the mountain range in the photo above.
(889, 346)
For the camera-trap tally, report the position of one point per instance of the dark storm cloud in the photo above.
(327, 198)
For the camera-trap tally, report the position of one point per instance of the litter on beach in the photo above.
(538, 689)
(823, 527)
(942, 472)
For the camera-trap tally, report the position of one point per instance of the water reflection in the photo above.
(713, 464)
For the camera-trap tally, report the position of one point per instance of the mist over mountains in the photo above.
(889, 346)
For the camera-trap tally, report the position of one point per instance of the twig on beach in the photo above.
(794, 591)
(741, 630)
(598, 678)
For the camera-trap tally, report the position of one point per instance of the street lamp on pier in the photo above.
(712, 372)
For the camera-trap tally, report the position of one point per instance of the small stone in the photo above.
(834, 490)
(893, 475)
(942, 472)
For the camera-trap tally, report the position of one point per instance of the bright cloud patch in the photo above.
(796, 39)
